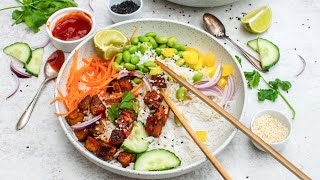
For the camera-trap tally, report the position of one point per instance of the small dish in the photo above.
(115, 17)
(67, 46)
(283, 119)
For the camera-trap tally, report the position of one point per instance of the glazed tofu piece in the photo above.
(106, 151)
(116, 86)
(116, 138)
(96, 105)
(125, 84)
(125, 119)
(158, 81)
(75, 117)
(81, 134)
(153, 126)
(92, 144)
(112, 99)
(153, 99)
(162, 114)
(83, 106)
(126, 158)
(98, 128)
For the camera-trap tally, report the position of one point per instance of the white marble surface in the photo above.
(42, 151)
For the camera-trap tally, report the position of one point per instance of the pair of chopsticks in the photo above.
(232, 120)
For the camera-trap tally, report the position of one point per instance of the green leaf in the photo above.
(285, 85)
(239, 60)
(113, 113)
(253, 78)
(269, 94)
(128, 96)
(126, 105)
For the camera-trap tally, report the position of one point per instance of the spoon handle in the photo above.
(250, 58)
(27, 113)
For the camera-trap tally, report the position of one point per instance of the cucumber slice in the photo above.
(20, 51)
(269, 53)
(253, 44)
(136, 142)
(33, 67)
(157, 160)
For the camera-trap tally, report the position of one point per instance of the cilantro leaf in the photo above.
(113, 112)
(253, 78)
(128, 96)
(269, 94)
(284, 85)
(239, 60)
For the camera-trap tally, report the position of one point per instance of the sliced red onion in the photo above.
(125, 73)
(16, 86)
(303, 65)
(213, 81)
(211, 91)
(90, 5)
(18, 72)
(86, 124)
(228, 92)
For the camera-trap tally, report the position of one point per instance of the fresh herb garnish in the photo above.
(35, 13)
(239, 60)
(271, 94)
(253, 78)
(128, 101)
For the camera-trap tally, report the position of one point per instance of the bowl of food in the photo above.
(122, 10)
(68, 27)
(273, 127)
(109, 106)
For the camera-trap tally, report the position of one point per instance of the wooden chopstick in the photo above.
(202, 146)
(236, 123)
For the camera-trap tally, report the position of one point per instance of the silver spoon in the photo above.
(215, 27)
(51, 71)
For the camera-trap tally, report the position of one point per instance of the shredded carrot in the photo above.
(133, 33)
(137, 88)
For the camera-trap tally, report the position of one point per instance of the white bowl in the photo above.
(115, 17)
(67, 46)
(203, 3)
(283, 119)
(222, 132)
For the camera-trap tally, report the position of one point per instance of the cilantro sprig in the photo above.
(35, 13)
(128, 101)
(271, 94)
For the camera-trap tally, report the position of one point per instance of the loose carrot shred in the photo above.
(133, 33)
(134, 90)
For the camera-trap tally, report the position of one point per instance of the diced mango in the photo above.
(202, 135)
(227, 70)
(211, 70)
(199, 64)
(168, 52)
(209, 60)
(192, 49)
(191, 57)
(156, 70)
(222, 83)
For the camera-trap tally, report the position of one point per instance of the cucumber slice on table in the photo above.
(253, 44)
(20, 51)
(136, 142)
(157, 160)
(33, 67)
(269, 53)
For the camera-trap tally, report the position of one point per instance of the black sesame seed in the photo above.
(27, 147)
(189, 15)
(302, 24)
(188, 22)
(247, 177)
(171, 145)
(20, 90)
(183, 15)
(181, 142)
(125, 7)
(230, 9)
(249, 4)
(165, 137)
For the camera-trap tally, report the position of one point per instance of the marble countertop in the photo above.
(42, 151)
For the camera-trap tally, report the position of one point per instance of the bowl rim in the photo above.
(64, 12)
(121, 170)
(123, 15)
(267, 111)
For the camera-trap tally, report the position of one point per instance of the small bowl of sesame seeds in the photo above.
(122, 10)
(273, 127)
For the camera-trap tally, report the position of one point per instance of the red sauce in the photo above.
(56, 60)
(72, 26)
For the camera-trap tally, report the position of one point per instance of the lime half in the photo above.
(257, 21)
(109, 42)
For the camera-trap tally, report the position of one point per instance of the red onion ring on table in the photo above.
(16, 86)
(18, 72)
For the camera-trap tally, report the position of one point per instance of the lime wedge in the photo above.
(109, 42)
(257, 21)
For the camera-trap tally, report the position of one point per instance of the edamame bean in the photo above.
(119, 58)
(133, 49)
(197, 77)
(149, 64)
(143, 48)
(116, 66)
(143, 39)
(126, 47)
(180, 47)
(162, 57)
(149, 44)
(158, 51)
(153, 42)
(161, 39)
(180, 61)
(134, 40)
(172, 41)
(151, 34)
(162, 46)
(137, 80)
(180, 53)
(181, 93)
(139, 71)
(126, 56)
(135, 60)
(175, 51)
(129, 66)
